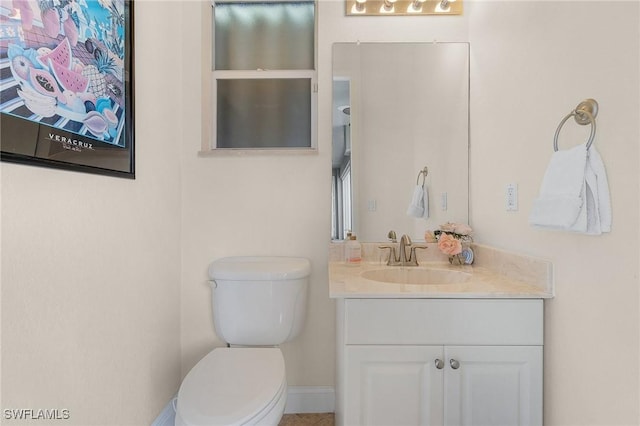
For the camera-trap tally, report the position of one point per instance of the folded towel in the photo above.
(601, 190)
(419, 206)
(574, 195)
(416, 208)
(561, 199)
(426, 202)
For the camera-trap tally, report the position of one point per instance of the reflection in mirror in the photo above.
(398, 107)
(341, 160)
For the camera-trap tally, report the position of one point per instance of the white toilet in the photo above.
(258, 303)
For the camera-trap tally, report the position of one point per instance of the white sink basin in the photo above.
(417, 276)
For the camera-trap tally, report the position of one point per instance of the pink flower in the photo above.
(456, 228)
(463, 229)
(450, 245)
(448, 227)
(430, 237)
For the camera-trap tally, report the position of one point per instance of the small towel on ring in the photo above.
(574, 195)
(419, 206)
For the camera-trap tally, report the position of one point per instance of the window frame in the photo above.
(209, 145)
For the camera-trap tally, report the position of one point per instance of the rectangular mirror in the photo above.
(398, 108)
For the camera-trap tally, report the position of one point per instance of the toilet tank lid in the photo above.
(259, 268)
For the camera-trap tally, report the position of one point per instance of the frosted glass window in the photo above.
(264, 78)
(264, 35)
(264, 113)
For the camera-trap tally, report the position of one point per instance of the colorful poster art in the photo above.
(66, 84)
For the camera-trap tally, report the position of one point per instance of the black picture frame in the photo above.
(67, 99)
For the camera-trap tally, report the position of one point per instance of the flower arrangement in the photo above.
(451, 237)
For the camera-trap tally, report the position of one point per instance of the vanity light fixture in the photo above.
(388, 6)
(415, 6)
(403, 7)
(359, 6)
(444, 6)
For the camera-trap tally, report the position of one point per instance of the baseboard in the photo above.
(310, 399)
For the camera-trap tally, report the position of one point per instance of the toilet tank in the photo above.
(259, 301)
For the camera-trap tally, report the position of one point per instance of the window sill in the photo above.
(239, 152)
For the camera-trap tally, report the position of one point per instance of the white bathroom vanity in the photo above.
(464, 351)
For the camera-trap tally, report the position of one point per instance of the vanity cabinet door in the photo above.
(493, 385)
(393, 385)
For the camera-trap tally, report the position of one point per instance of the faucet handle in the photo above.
(413, 256)
(393, 259)
(392, 236)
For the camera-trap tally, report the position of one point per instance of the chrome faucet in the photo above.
(400, 258)
(405, 242)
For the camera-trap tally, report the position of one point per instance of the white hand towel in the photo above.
(416, 208)
(560, 200)
(425, 198)
(601, 188)
(574, 195)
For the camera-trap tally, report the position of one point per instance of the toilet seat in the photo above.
(233, 386)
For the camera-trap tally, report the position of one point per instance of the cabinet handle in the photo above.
(439, 364)
(455, 364)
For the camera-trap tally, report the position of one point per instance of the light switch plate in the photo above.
(511, 197)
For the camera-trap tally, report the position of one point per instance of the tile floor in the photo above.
(312, 419)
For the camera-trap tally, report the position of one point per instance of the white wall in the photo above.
(529, 67)
(269, 204)
(91, 264)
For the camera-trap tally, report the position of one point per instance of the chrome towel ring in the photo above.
(584, 113)
(424, 172)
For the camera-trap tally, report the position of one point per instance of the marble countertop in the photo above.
(495, 273)
(346, 281)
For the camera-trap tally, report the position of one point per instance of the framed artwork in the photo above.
(66, 85)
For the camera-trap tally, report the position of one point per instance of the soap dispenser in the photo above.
(352, 251)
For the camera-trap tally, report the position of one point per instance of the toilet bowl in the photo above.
(234, 386)
(259, 303)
